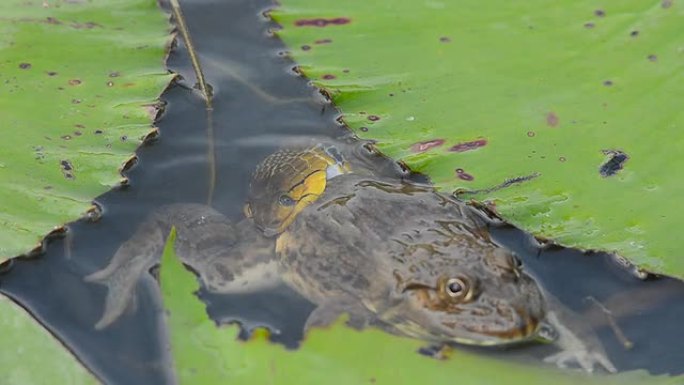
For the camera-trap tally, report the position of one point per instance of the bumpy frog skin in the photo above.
(393, 255)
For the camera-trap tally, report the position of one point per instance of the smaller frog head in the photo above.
(285, 183)
(479, 300)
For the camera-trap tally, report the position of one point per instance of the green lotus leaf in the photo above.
(207, 354)
(80, 82)
(29, 354)
(565, 118)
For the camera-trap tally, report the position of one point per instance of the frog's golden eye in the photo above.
(458, 289)
(248, 210)
(286, 200)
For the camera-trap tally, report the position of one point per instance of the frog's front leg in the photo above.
(332, 309)
(247, 266)
(221, 252)
(577, 342)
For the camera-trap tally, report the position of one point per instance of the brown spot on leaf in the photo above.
(666, 3)
(323, 41)
(600, 13)
(634, 33)
(607, 83)
(306, 47)
(552, 119)
(110, 84)
(652, 58)
(74, 82)
(461, 174)
(67, 168)
(426, 145)
(329, 76)
(98, 132)
(373, 118)
(114, 74)
(25, 66)
(364, 129)
(321, 22)
(614, 164)
(87, 25)
(467, 146)
(76, 101)
(531, 134)
(445, 39)
(589, 25)
(562, 159)
(51, 73)
(66, 137)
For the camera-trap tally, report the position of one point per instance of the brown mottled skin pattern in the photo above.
(385, 247)
(394, 255)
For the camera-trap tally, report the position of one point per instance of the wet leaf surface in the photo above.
(482, 97)
(80, 82)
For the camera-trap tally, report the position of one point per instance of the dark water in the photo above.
(258, 99)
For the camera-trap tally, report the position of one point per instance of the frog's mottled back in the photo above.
(421, 263)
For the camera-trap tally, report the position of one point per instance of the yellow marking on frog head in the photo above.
(285, 183)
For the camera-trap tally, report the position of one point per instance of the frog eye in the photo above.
(286, 200)
(458, 289)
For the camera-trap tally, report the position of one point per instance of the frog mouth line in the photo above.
(527, 330)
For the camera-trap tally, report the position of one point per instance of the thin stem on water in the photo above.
(211, 153)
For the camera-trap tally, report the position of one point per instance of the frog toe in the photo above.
(586, 360)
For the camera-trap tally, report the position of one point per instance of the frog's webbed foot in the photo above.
(327, 313)
(587, 353)
(130, 261)
(586, 359)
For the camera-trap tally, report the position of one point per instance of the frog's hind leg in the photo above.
(121, 276)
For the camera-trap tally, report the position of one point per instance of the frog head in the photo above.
(476, 300)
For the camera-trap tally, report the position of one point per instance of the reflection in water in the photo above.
(257, 103)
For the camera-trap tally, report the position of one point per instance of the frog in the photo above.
(387, 252)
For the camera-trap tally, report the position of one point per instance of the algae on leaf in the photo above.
(206, 354)
(79, 83)
(566, 118)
